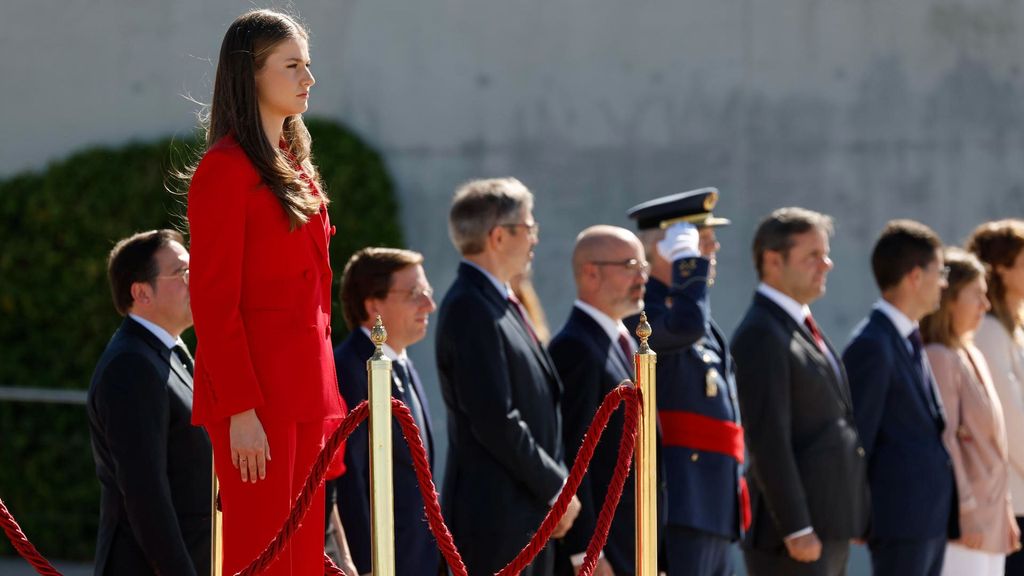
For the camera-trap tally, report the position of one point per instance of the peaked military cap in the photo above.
(694, 206)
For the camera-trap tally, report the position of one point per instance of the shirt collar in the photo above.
(903, 324)
(796, 310)
(388, 350)
(163, 335)
(611, 327)
(500, 286)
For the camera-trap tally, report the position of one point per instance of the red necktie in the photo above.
(522, 315)
(627, 350)
(818, 339)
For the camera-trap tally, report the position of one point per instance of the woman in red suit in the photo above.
(265, 385)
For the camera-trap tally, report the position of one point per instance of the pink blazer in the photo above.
(1005, 356)
(976, 439)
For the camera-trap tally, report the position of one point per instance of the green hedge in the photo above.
(56, 228)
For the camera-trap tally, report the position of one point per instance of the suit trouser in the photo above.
(907, 557)
(834, 555)
(692, 552)
(254, 513)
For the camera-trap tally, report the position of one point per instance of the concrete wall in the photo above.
(866, 109)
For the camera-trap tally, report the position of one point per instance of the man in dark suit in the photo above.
(505, 460)
(594, 353)
(898, 409)
(390, 283)
(702, 438)
(808, 489)
(153, 465)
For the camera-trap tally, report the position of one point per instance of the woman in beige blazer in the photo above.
(1000, 246)
(975, 434)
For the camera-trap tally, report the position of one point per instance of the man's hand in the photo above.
(1014, 534)
(682, 240)
(603, 568)
(568, 518)
(806, 548)
(250, 451)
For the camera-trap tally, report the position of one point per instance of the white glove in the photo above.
(682, 240)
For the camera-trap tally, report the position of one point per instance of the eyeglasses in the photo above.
(943, 272)
(632, 265)
(416, 294)
(533, 228)
(183, 274)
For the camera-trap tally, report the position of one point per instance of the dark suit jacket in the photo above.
(911, 476)
(807, 467)
(418, 553)
(153, 465)
(703, 487)
(590, 365)
(505, 458)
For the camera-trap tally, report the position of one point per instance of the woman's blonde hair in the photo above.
(964, 268)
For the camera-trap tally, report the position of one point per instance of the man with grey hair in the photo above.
(807, 475)
(505, 463)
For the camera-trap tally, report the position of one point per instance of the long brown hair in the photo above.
(964, 268)
(235, 110)
(998, 244)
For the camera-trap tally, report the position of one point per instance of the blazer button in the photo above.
(334, 229)
(307, 274)
(694, 457)
(860, 451)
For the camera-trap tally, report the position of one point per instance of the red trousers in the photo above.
(254, 513)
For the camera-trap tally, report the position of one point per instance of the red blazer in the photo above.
(261, 298)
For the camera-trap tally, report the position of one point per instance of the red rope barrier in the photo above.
(631, 396)
(438, 527)
(623, 393)
(305, 499)
(22, 545)
(630, 426)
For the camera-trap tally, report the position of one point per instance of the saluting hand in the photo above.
(250, 451)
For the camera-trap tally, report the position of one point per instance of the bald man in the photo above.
(593, 354)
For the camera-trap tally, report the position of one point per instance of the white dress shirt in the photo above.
(163, 335)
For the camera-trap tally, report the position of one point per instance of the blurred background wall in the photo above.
(865, 109)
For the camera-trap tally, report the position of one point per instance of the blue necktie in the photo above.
(917, 344)
(411, 400)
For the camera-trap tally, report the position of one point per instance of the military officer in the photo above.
(702, 439)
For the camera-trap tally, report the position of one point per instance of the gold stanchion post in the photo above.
(216, 526)
(646, 456)
(382, 506)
